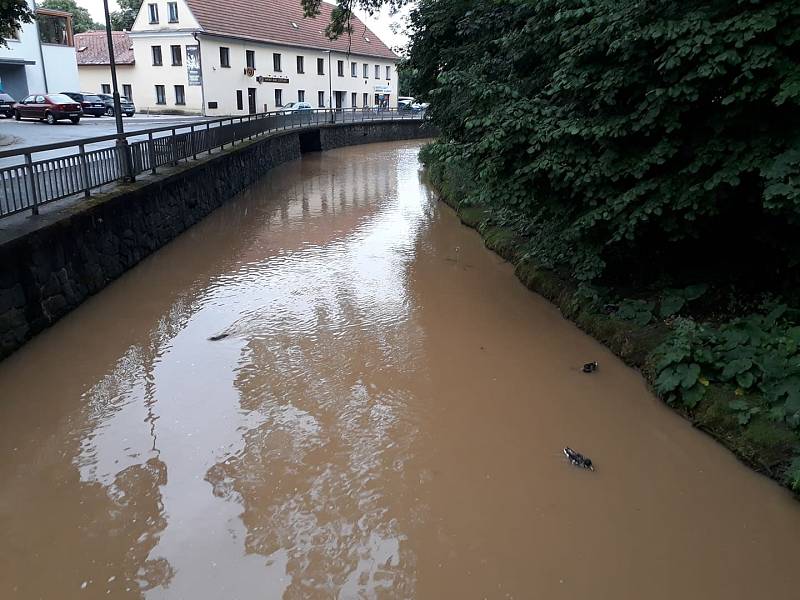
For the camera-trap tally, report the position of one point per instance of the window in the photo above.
(224, 57)
(321, 99)
(152, 11)
(354, 69)
(366, 70)
(300, 65)
(301, 95)
(156, 56)
(180, 95)
(278, 98)
(388, 72)
(320, 66)
(53, 29)
(172, 8)
(276, 62)
(161, 97)
(177, 60)
(127, 91)
(239, 102)
(377, 71)
(366, 100)
(340, 68)
(213, 105)
(106, 88)
(250, 57)
(354, 100)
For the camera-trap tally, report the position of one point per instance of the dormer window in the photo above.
(172, 8)
(152, 12)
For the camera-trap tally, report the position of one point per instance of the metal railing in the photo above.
(68, 168)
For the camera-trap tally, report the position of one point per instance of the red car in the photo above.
(48, 107)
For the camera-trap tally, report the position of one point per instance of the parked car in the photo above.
(6, 105)
(296, 106)
(409, 105)
(48, 107)
(91, 104)
(126, 104)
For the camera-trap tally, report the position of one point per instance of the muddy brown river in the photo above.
(383, 417)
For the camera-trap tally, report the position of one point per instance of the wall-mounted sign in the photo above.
(193, 65)
(272, 79)
(382, 88)
(249, 71)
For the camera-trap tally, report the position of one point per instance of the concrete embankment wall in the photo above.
(54, 262)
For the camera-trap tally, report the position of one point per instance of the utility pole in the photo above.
(122, 142)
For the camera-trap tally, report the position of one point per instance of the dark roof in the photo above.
(282, 22)
(91, 48)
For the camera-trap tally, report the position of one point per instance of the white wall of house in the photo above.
(147, 76)
(61, 67)
(94, 77)
(60, 64)
(220, 84)
(186, 20)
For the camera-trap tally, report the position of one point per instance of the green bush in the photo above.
(624, 137)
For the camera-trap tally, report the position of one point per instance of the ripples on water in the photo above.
(382, 419)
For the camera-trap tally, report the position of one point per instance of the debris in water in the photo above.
(578, 459)
(218, 337)
(590, 367)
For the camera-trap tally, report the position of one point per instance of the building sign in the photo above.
(193, 65)
(272, 79)
(382, 88)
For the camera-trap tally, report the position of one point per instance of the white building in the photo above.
(41, 57)
(247, 56)
(94, 68)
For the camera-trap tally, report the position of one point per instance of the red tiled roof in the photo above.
(91, 48)
(275, 20)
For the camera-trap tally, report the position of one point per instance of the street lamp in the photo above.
(122, 143)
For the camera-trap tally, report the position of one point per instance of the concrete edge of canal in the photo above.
(51, 263)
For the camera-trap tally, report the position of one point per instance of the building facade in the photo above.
(41, 57)
(94, 67)
(195, 56)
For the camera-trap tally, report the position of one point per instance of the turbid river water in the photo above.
(383, 418)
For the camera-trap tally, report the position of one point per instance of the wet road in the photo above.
(382, 417)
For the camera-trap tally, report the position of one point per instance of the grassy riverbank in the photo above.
(731, 372)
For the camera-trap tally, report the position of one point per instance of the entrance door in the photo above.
(339, 99)
(251, 100)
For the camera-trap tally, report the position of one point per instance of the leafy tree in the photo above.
(122, 20)
(624, 137)
(12, 14)
(81, 19)
(343, 11)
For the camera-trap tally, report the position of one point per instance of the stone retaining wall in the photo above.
(75, 252)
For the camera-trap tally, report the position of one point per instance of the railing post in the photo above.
(208, 136)
(151, 151)
(32, 176)
(87, 186)
(194, 146)
(233, 134)
(124, 151)
(174, 146)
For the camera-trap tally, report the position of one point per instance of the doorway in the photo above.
(251, 100)
(338, 99)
